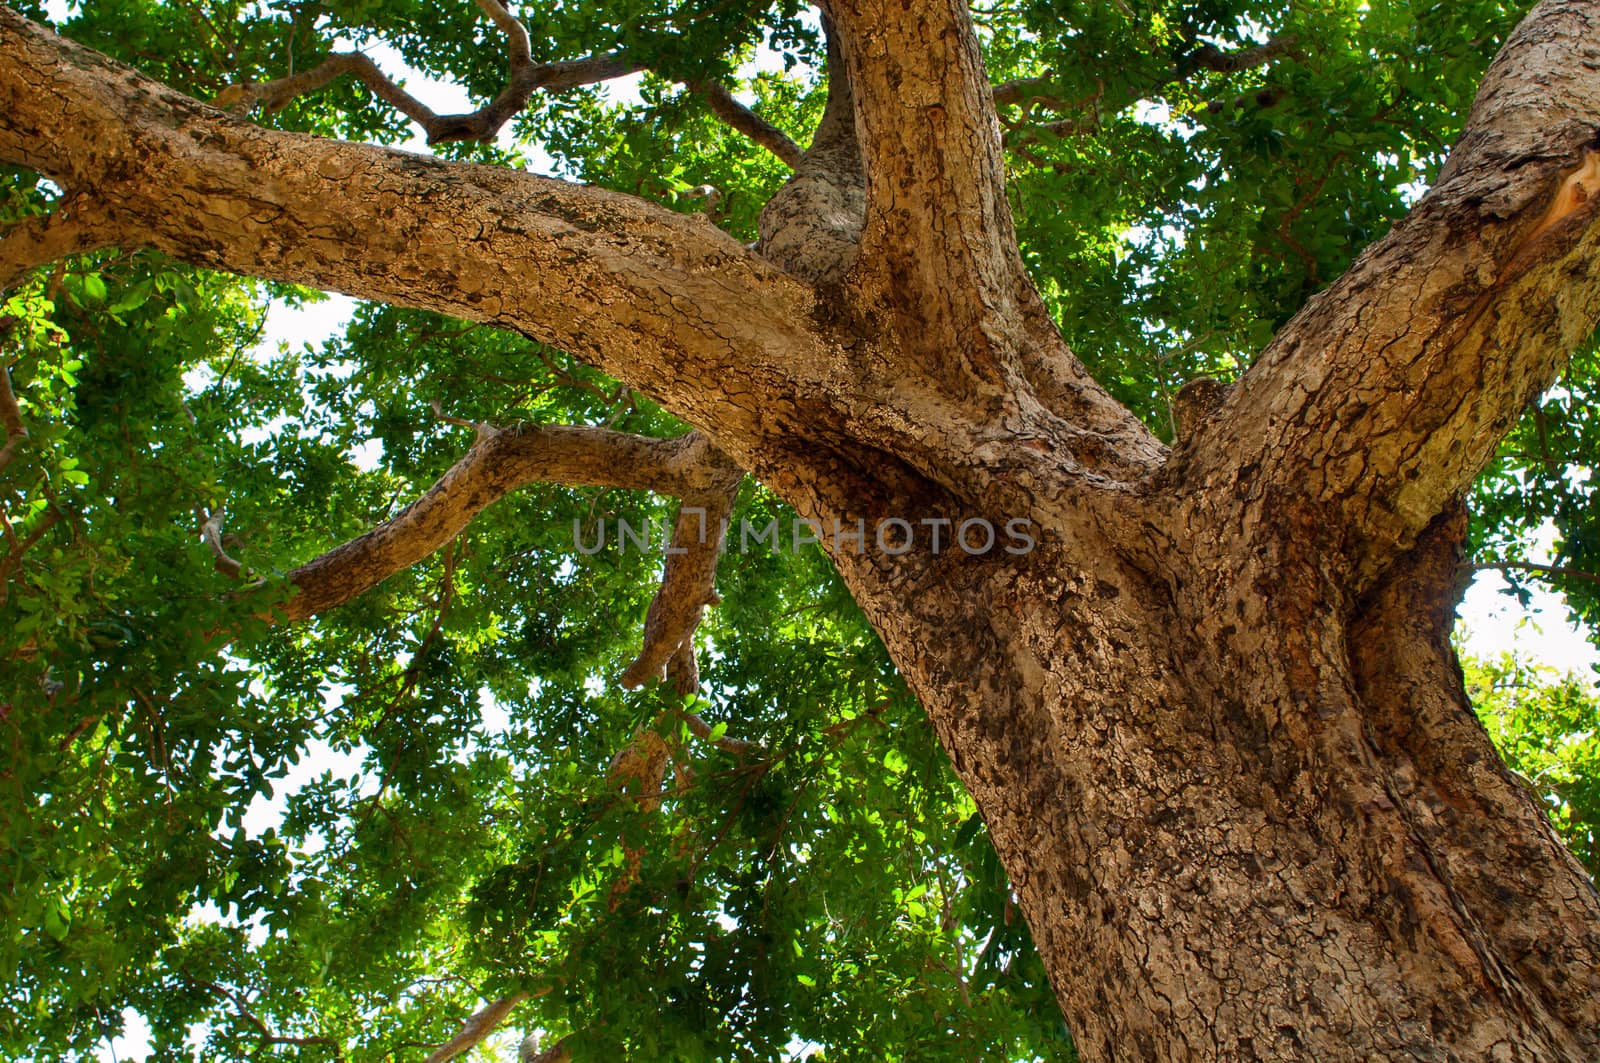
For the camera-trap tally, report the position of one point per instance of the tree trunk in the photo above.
(1212, 720)
(1247, 819)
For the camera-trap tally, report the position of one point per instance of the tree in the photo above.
(1195, 678)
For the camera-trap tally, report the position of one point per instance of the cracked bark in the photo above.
(1212, 721)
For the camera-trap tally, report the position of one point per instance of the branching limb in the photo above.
(1468, 308)
(675, 307)
(743, 120)
(524, 79)
(686, 587)
(479, 1025)
(498, 464)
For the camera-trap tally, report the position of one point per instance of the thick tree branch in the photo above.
(524, 79)
(1389, 391)
(479, 1024)
(73, 228)
(938, 241)
(666, 302)
(499, 463)
(743, 120)
(938, 265)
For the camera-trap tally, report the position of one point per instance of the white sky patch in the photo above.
(366, 456)
(495, 718)
(319, 759)
(1152, 112)
(625, 91)
(134, 1041)
(1492, 623)
(307, 325)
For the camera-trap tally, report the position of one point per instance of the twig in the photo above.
(737, 746)
(14, 556)
(1529, 566)
(268, 1037)
(1029, 93)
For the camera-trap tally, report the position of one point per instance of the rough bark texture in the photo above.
(1213, 721)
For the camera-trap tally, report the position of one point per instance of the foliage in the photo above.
(1548, 729)
(352, 832)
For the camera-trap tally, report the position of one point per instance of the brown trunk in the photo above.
(1248, 819)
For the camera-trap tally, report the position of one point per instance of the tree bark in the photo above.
(1212, 720)
(1265, 827)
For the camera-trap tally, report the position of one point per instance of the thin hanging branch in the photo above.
(525, 78)
(686, 587)
(1564, 571)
